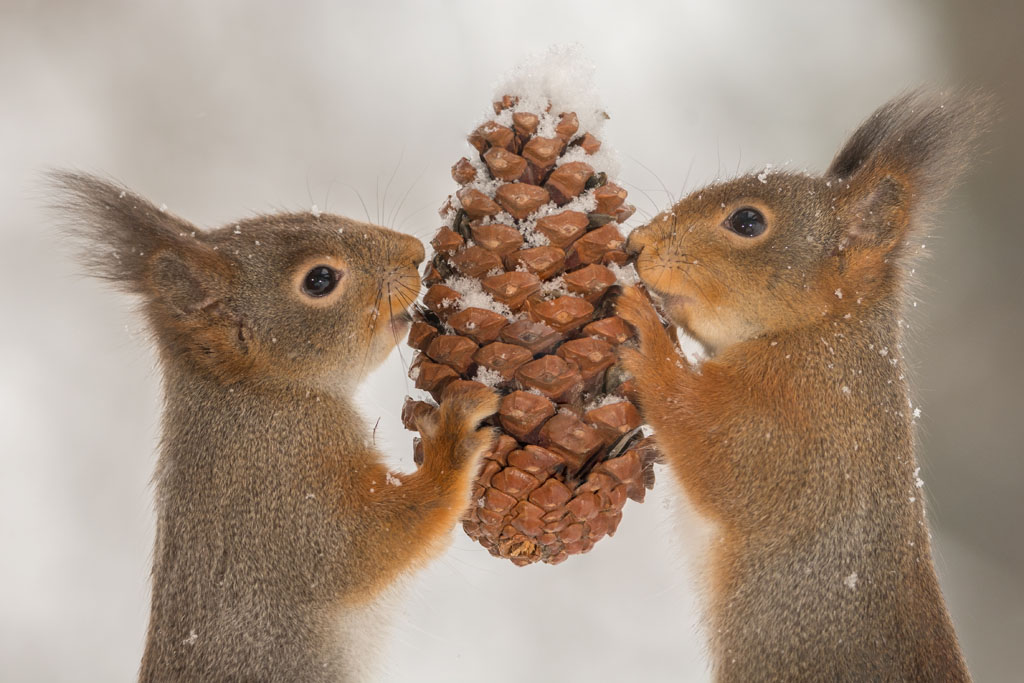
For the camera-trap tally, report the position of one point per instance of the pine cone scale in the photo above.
(519, 296)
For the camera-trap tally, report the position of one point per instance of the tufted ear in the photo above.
(896, 168)
(185, 282)
(116, 232)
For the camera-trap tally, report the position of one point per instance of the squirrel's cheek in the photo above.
(388, 330)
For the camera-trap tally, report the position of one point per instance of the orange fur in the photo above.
(795, 438)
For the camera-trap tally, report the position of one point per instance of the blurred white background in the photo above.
(224, 109)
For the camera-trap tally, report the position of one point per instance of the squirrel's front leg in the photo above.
(663, 375)
(674, 400)
(411, 515)
(453, 446)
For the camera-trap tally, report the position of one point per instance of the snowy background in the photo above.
(223, 109)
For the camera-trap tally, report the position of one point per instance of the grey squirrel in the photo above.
(279, 528)
(795, 439)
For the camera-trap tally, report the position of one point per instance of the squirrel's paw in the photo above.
(657, 364)
(451, 429)
(632, 361)
(468, 403)
(634, 306)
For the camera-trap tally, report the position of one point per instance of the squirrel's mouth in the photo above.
(400, 323)
(671, 306)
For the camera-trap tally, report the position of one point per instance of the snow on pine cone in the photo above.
(520, 297)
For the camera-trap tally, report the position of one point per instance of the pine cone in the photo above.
(520, 293)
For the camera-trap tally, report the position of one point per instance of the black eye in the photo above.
(747, 222)
(320, 281)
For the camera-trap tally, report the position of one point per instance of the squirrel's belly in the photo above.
(696, 534)
(361, 635)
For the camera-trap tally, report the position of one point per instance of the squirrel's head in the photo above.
(774, 251)
(316, 299)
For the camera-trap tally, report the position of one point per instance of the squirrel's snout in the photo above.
(412, 249)
(418, 252)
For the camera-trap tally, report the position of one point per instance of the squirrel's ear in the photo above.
(117, 233)
(894, 170)
(188, 304)
(123, 238)
(185, 282)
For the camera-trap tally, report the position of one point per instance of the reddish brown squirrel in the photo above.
(795, 438)
(279, 528)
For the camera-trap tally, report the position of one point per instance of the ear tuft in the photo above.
(901, 162)
(928, 136)
(115, 231)
(185, 282)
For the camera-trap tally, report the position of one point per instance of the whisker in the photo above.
(309, 192)
(718, 150)
(661, 272)
(398, 342)
(384, 200)
(644, 193)
(689, 169)
(327, 195)
(398, 209)
(422, 208)
(360, 197)
(407, 289)
(656, 177)
(374, 315)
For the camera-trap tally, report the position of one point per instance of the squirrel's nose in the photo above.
(413, 249)
(418, 252)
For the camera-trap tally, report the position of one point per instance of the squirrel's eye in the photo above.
(320, 281)
(747, 222)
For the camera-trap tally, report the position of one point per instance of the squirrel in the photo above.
(795, 437)
(279, 528)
